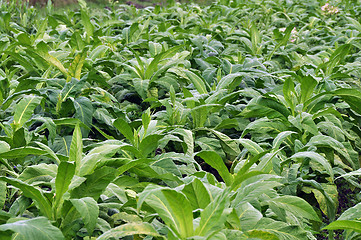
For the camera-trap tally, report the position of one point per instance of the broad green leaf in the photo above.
(353, 225)
(197, 194)
(149, 144)
(38, 228)
(38, 173)
(213, 217)
(76, 148)
(95, 183)
(42, 51)
(227, 80)
(255, 38)
(308, 84)
(329, 142)
(89, 27)
(282, 230)
(25, 109)
(265, 106)
(250, 192)
(89, 210)
(243, 175)
(33, 193)
(248, 216)
(211, 144)
(317, 158)
(229, 145)
(251, 146)
(3, 193)
(155, 198)
(22, 152)
(77, 65)
(183, 215)
(132, 164)
(297, 206)
(351, 96)
(70, 89)
(66, 171)
(84, 110)
(261, 234)
(130, 229)
(215, 161)
(197, 81)
(124, 129)
(281, 137)
(264, 126)
(101, 152)
(153, 66)
(187, 139)
(4, 147)
(154, 48)
(337, 56)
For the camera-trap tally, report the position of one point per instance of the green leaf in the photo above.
(89, 210)
(337, 56)
(213, 217)
(33, 193)
(297, 206)
(22, 152)
(317, 158)
(66, 171)
(329, 142)
(308, 84)
(124, 129)
(353, 225)
(3, 193)
(130, 229)
(197, 194)
(248, 216)
(227, 80)
(187, 139)
(4, 147)
(255, 38)
(351, 96)
(149, 144)
(95, 183)
(250, 192)
(251, 146)
(197, 81)
(84, 110)
(183, 215)
(229, 145)
(215, 161)
(38, 228)
(265, 106)
(89, 27)
(261, 234)
(42, 51)
(38, 173)
(76, 148)
(25, 109)
(77, 65)
(280, 138)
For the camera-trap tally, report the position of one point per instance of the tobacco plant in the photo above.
(237, 120)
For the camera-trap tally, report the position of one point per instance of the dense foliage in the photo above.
(239, 120)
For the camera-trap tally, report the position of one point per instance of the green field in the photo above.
(224, 121)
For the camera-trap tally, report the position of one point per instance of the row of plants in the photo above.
(237, 120)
